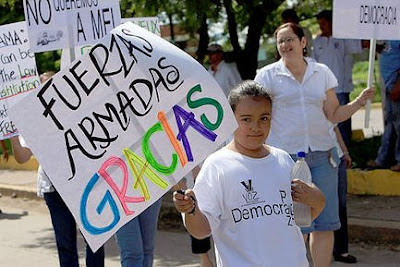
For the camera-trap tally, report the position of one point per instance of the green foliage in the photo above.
(8, 146)
(48, 61)
(11, 11)
(189, 14)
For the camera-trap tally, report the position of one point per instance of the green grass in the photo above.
(360, 78)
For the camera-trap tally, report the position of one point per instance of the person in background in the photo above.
(136, 238)
(389, 64)
(337, 54)
(341, 245)
(304, 107)
(226, 74)
(238, 188)
(290, 15)
(63, 221)
(4, 152)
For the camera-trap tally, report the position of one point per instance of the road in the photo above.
(375, 121)
(26, 239)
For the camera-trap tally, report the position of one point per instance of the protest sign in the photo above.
(121, 125)
(61, 24)
(149, 23)
(18, 73)
(366, 19)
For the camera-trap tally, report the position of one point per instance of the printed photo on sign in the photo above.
(123, 124)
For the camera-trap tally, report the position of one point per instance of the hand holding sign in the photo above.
(366, 95)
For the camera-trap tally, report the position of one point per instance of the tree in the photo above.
(11, 11)
(257, 13)
(255, 17)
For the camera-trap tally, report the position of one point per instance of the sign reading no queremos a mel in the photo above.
(54, 24)
(149, 23)
(366, 19)
(121, 125)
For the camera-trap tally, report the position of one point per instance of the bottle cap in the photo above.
(301, 154)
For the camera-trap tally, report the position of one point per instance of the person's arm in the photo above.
(21, 154)
(309, 195)
(194, 220)
(195, 172)
(343, 147)
(336, 113)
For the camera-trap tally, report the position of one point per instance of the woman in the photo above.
(304, 105)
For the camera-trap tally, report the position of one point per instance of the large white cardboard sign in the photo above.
(366, 19)
(55, 25)
(18, 73)
(121, 125)
(149, 23)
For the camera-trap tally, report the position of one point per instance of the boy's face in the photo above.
(215, 58)
(253, 115)
(325, 27)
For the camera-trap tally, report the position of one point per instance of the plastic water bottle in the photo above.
(302, 212)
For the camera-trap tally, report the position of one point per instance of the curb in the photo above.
(360, 229)
(18, 191)
(373, 231)
(375, 182)
(11, 164)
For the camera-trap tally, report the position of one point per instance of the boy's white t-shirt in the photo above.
(248, 204)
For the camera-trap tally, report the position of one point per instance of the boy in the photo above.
(242, 193)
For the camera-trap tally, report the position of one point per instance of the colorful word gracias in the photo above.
(148, 166)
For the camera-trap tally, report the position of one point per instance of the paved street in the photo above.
(26, 235)
(375, 121)
(26, 239)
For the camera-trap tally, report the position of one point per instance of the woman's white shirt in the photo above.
(298, 119)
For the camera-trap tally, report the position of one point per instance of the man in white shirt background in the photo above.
(226, 74)
(337, 54)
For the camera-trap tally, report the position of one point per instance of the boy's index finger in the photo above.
(183, 193)
(180, 191)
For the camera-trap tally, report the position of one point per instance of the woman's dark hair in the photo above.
(247, 88)
(296, 29)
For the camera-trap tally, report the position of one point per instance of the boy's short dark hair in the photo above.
(290, 15)
(247, 88)
(325, 14)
